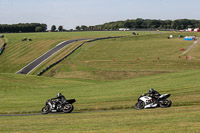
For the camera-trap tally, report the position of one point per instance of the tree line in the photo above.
(140, 23)
(134, 24)
(23, 27)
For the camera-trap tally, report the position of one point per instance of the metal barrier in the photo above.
(2, 48)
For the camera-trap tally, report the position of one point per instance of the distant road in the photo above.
(31, 66)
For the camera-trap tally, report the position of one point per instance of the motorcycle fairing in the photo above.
(151, 105)
(147, 100)
(164, 96)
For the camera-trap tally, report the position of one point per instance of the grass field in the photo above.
(26, 94)
(18, 54)
(128, 57)
(1, 42)
(106, 79)
(172, 120)
(20, 96)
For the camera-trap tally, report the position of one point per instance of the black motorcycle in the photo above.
(56, 106)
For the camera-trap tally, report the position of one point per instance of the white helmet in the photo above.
(59, 94)
(151, 90)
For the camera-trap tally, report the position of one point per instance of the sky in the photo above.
(71, 13)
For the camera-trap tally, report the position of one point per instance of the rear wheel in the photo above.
(165, 103)
(139, 105)
(68, 108)
(45, 110)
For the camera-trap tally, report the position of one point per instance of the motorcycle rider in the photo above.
(60, 99)
(153, 94)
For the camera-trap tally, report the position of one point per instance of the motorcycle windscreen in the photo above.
(71, 101)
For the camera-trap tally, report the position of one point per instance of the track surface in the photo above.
(31, 66)
(62, 113)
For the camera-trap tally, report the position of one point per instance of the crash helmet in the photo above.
(59, 94)
(151, 90)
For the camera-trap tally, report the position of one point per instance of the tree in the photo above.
(128, 24)
(39, 29)
(139, 22)
(78, 28)
(60, 28)
(44, 27)
(83, 27)
(53, 28)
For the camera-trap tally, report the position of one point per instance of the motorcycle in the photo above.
(145, 102)
(55, 106)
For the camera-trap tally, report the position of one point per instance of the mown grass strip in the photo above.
(155, 120)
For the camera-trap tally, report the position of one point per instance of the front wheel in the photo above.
(139, 105)
(165, 103)
(68, 108)
(45, 110)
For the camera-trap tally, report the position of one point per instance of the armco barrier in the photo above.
(2, 48)
(55, 63)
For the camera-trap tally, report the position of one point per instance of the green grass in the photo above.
(116, 59)
(181, 119)
(18, 54)
(59, 55)
(102, 76)
(1, 42)
(27, 94)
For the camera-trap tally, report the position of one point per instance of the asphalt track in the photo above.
(60, 113)
(31, 66)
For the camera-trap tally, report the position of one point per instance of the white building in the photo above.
(190, 29)
(124, 29)
(197, 30)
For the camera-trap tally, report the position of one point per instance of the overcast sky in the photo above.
(71, 13)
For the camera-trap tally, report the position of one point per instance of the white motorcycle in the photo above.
(145, 102)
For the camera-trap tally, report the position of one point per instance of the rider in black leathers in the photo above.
(153, 94)
(60, 99)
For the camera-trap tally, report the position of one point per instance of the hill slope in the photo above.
(89, 76)
(28, 93)
(18, 54)
(128, 57)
